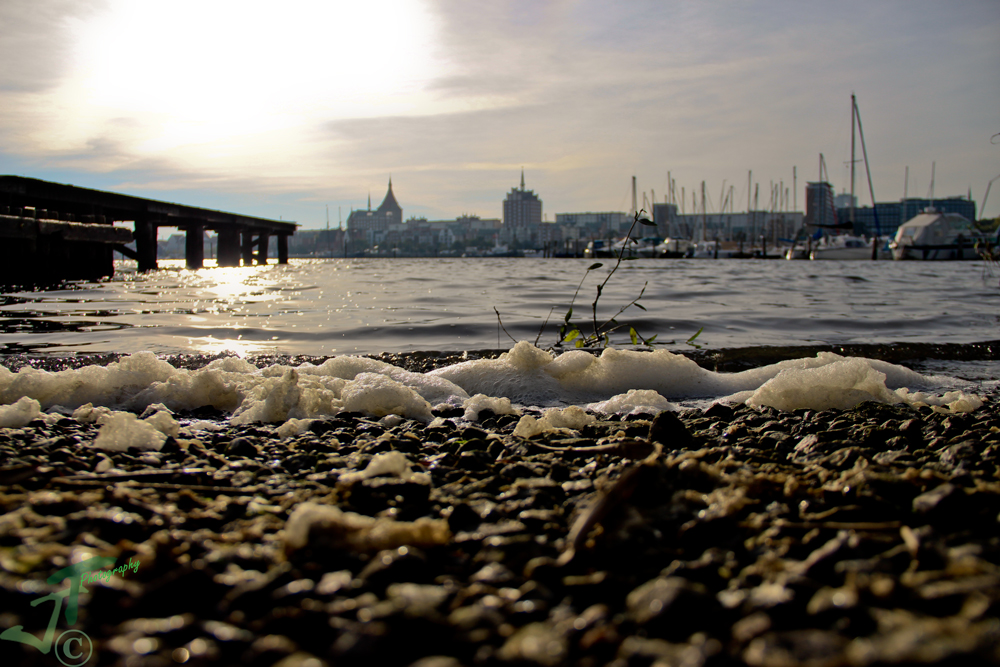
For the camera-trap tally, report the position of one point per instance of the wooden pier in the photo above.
(50, 231)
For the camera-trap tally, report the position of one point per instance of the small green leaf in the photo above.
(649, 341)
(633, 335)
(647, 222)
(579, 343)
(639, 306)
(572, 334)
(696, 334)
(595, 266)
(569, 314)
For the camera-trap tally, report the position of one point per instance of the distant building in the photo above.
(665, 216)
(821, 205)
(522, 216)
(843, 200)
(593, 225)
(892, 214)
(744, 226)
(370, 226)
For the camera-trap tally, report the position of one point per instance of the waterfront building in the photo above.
(844, 200)
(522, 217)
(743, 226)
(593, 225)
(820, 205)
(369, 226)
(893, 214)
(422, 237)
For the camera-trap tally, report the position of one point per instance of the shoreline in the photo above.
(730, 359)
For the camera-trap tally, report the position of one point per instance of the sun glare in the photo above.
(196, 74)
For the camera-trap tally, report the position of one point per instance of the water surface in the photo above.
(358, 306)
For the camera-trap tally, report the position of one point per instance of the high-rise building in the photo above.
(820, 209)
(522, 216)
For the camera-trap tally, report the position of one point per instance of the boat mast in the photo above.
(749, 207)
(868, 172)
(906, 190)
(704, 236)
(756, 193)
(932, 183)
(635, 207)
(853, 108)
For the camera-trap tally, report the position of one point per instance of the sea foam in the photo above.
(616, 381)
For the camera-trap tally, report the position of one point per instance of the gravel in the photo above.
(730, 536)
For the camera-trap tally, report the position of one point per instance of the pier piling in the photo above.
(67, 232)
(194, 246)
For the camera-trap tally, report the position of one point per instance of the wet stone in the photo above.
(872, 543)
(241, 447)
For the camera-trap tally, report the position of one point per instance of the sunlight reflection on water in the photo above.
(337, 306)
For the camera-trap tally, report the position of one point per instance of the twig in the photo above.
(542, 330)
(631, 449)
(616, 495)
(600, 288)
(628, 305)
(500, 322)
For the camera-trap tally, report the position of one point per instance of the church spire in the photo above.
(522, 178)
(369, 200)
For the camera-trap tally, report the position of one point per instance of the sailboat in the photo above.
(934, 234)
(849, 245)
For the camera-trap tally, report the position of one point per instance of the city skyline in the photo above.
(283, 113)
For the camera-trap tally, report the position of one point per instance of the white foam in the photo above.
(615, 381)
(379, 396)
(293, 427)
(89, 414)
(121, 430)
(572, 418)
(841, 384)
(386, 464)
(634, 401)
(497, 405)
(20, 413)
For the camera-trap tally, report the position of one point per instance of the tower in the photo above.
(522, 215)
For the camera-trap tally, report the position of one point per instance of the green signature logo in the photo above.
(73, 648)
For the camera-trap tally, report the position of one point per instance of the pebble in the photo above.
(858, 537)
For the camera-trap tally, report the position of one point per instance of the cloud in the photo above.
(35, 40)
(583, 94)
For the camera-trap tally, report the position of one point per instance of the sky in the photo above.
(290, 110)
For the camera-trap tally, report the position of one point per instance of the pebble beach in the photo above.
(726, 536)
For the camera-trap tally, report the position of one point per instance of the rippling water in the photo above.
(357, 306)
